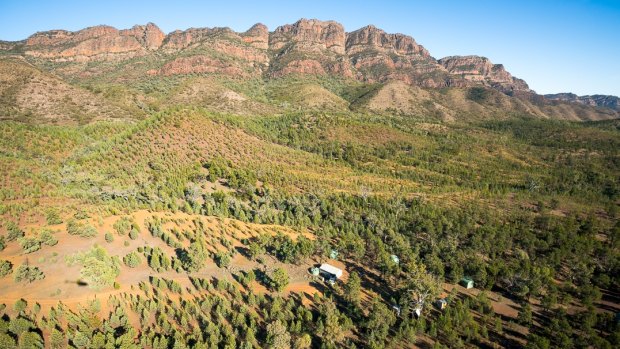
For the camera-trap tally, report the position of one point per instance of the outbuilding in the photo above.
(441, 303)
(330, 271)
(395, 259)
(467, 282)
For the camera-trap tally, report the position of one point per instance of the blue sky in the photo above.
(556, 46)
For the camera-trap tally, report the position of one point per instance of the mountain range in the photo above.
(376, 71)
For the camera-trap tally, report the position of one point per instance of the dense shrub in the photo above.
(6, 268)
(132, 259)
(28, 273)
(98, 268)
(81, 229)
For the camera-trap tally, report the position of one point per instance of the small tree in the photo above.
(222, 259)
(52, 216)
(14, 232)
(278, 336)
(132, 259)
(525, 315)
(109, 237)
(279, 279)
(20, 305)
(6, 268)
(352, 289)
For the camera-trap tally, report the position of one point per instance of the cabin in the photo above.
(417, 312)
(395, 259)
(441, 303)
(396, 309)
(333, 254)
(467, 282)
(330, 272)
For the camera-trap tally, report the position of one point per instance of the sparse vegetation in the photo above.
(412, 204)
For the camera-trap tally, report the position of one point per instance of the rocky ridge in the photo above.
(308, 46)
(604, 101)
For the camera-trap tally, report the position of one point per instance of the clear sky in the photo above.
(556, 46)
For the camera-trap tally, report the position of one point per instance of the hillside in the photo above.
(29, 94)
(302, 188)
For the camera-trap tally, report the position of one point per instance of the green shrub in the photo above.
(29, 244)
(133, 234)
(98, 268)
(125, 225)
(6, 268)
(132, 259)
(81, 229)
(14, 232)
(109, 237)
(52, 217)
(20, 305)
(27, 273)
(46, 237)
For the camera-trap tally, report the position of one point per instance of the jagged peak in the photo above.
(256, 29)
(371, 36)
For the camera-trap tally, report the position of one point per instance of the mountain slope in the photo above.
(143, 69)
(27, 93)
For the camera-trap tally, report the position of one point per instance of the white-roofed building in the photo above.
(330, 271)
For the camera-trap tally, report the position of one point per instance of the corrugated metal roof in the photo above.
(331, 269)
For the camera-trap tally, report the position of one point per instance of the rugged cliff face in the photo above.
(605, 101)
(380, 56)
(309, 35)
(257, 36)
(308, 46)
(474, 70)
(95, 43)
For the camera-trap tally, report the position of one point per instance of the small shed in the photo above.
(467, 282)
(396, 309)
(330, 271)
(441, 303)
(315, 271)
(417, 312)
(333, 254)
(395, 259)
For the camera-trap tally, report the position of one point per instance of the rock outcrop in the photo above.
(373, 38)
(380, 56)
(603, 101)
(100, 42)
(309, 35)
(306, 47)
(476, 70)
(257, 36)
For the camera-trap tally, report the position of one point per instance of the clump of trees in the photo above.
(98, 268)
(157, 259)
(127, 225)
(282, 247)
